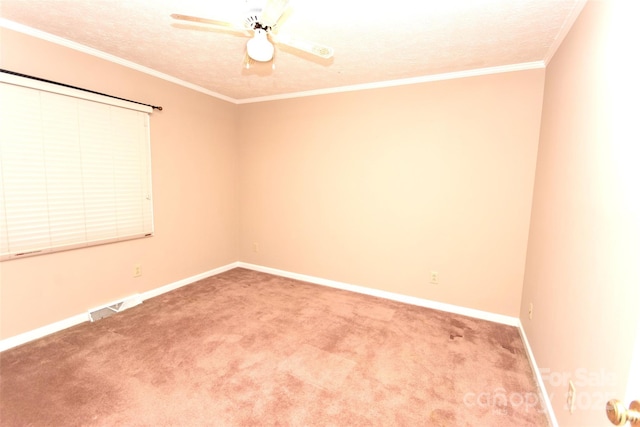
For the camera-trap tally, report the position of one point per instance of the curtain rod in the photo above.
(155, 107)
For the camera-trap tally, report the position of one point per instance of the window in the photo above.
(75, 169)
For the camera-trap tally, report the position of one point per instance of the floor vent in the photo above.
(114, 307)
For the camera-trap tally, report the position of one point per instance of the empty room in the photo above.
(272, 212)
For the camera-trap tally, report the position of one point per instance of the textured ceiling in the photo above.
(373, 41)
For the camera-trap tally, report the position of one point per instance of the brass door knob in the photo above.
(619, 415)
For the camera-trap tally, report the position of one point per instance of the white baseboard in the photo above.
(189, 280)
(23, 338)
(478, 314)
(538, 375)
(34, 334)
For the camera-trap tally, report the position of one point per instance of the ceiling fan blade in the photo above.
(316, 49)
(272, 12)
(212, 29)
(206, 21)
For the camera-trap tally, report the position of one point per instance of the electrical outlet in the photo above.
(256, 247)
(571, 397)
(137, 270)
(530, 310)
(435, 277)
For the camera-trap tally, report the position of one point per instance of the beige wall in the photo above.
(379, 187)
(194, 161)
(375, 188)
(583, 261)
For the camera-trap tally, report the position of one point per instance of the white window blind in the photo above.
(75, 169)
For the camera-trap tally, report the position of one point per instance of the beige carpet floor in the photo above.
(249, 349)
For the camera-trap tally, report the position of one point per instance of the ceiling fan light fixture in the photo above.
(259, 48)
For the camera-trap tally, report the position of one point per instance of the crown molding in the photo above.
(11, 25)
(564, 30)
(402, 82)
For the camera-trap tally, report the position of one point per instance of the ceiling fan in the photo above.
(262, 25)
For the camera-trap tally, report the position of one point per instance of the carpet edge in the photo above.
(421, 302)
(479, 314)
(34, 334)
(538, 375)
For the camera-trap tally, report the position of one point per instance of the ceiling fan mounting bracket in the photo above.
(252, 21)
(259, 26)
